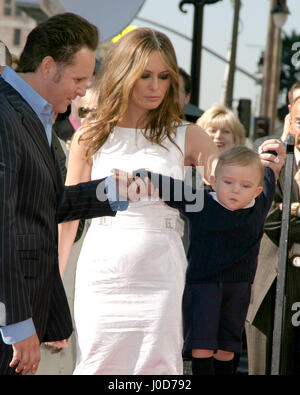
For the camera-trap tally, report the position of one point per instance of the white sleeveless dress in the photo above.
(131, 271)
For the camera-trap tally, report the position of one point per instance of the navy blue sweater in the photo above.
(224, 244)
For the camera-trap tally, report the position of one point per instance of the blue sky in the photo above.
(217, 28)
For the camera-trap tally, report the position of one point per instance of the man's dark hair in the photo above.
(61, 37)
(186, 80)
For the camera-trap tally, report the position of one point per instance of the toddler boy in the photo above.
(222, 255)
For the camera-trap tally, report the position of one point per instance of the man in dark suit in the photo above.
(54, 68)
(293, 94)
(260, 319)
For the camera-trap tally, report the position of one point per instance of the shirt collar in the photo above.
(215, 197)
(39, 105)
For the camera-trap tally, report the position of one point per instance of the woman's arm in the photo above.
(200, 150)
(79, 170)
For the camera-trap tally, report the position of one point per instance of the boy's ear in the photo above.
(258, 191)
(212, 180)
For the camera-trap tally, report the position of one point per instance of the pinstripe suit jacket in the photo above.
(33, 200)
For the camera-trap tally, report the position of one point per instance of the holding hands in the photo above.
(133, 188)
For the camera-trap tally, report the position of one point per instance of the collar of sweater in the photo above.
(215, 197)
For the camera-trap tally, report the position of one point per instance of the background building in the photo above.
(14, 26)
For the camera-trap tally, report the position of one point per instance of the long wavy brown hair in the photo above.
(122, 67)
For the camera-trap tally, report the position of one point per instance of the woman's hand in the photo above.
(57, 346)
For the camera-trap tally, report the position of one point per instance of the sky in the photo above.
(217, 30)
(111, 15)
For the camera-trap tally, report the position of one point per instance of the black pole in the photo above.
(196, 53)
(197, 44)
(279, 316)
(232, 62)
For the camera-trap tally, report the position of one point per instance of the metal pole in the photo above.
(232, 61)
(197, 44)
(196, 53)
(272, 69)
(265, 94)
(279, 316)
(275, 80)
(196, 47)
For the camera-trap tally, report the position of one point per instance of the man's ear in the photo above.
(212, 181)
(48, 67)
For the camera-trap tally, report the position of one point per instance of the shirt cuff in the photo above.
(283, 142)
(15, 333)
(116, 203)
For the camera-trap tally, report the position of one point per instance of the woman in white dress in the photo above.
(131, 270)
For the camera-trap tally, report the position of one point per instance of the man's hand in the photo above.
(26, 355)
(269, 160)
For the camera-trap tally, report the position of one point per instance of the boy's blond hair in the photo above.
(240, 156)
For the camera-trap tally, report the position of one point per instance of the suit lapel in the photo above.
(295, 189)
(35, 129)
